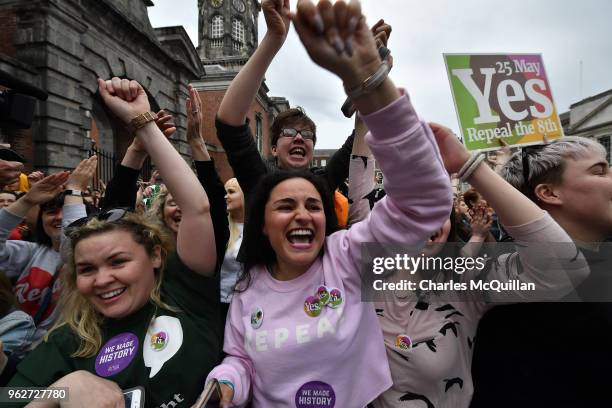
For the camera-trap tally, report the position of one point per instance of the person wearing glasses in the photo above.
(293, 133)
(298, 333)
(135, 313)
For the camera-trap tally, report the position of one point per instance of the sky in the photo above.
(574, 38)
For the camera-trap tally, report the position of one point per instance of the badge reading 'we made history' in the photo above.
(502, 97)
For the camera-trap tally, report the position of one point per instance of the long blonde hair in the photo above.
(233, 225)
(76, 311)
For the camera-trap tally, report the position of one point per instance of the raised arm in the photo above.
(207, 174)
(244, 86)
(340, 164)
(512, 207)
(418, 189)
(127, 99)
(16, 255)
(122, 189)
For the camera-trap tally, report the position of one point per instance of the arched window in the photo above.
(238, 33)
(216, 32)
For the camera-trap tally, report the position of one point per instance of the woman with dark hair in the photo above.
(297, 331)
(35, 264)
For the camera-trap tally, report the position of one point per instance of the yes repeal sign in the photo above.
(502, 96)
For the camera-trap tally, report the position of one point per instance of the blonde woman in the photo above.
(136, 315)
(231, 268)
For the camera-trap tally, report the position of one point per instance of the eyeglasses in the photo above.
(114, 214)
(292, 133)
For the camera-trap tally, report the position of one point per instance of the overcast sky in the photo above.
(566, 33)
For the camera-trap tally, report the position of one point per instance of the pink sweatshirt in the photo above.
(285, 358)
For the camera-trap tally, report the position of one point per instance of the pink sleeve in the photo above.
(236, 366)
(419, 198)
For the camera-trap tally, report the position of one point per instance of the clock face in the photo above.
(216, 3)
(239, 5)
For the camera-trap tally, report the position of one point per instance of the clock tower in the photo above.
(227, 31)
(227, 28)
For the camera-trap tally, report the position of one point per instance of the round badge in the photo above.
(335, 298)
(257, 316)
(403, 342)
(323, 294)
(315, 394)
(159, 341)
(312, 306)
(116, 354)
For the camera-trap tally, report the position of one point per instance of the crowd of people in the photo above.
(256, 282)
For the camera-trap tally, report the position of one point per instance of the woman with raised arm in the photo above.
(135, 314)
(297, 332)
(429, 334)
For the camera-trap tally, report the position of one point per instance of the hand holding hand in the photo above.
(454, 154)
(46, 188)
(125, 98)
(276, 14)
(35, 177)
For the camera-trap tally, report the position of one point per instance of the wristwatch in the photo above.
(75, 193)
(141, 120)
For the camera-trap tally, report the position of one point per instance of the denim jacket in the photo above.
(16, 332)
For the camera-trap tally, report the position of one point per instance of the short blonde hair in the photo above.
(76, 311)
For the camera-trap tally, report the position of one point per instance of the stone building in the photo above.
(592, 118)
(62, 46)
(227, 38)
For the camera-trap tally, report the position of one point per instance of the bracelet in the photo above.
(475, 164)
(466, 165)
(228, 383)
(73, 192)
(141, 120)
(372, 82)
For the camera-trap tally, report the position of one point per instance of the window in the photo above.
(237, 34)
(216, 32)
(323, 163)
(605, 142)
